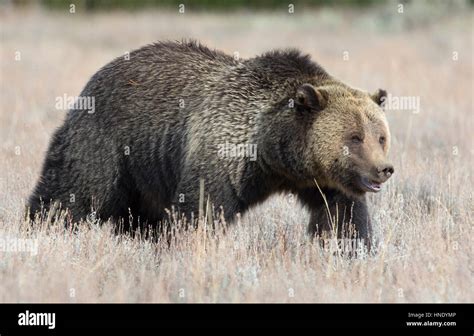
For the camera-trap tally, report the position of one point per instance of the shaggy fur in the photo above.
(161, 117)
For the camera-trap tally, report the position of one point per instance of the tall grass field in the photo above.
(422, 219)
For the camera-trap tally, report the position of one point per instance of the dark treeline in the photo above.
(203, 4)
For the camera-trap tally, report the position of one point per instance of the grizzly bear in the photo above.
(175, 114)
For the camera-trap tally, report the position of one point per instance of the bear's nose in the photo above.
(385, 170)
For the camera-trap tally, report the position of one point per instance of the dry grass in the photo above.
(423, 218)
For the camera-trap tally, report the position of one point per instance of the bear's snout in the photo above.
(384, 171)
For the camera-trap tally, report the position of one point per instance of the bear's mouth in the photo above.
(370, 185)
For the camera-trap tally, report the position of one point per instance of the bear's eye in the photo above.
(382, 140)
(356, 139)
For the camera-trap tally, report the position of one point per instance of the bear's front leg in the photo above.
(349, 217)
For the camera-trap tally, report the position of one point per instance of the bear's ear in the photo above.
(379, 97)
(310, 99)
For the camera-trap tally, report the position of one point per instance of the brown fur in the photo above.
(173, 146)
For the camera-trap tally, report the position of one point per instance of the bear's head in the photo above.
(336, 135)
